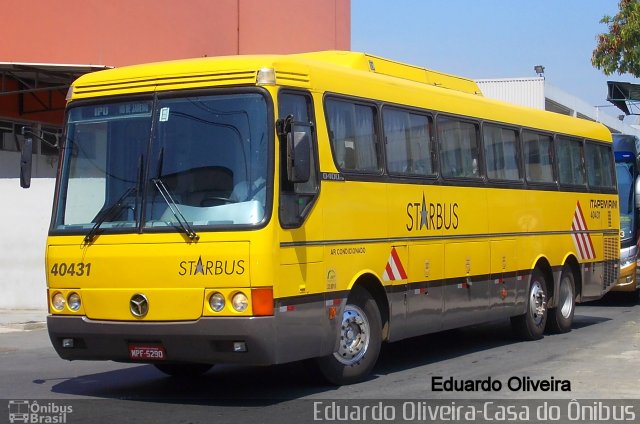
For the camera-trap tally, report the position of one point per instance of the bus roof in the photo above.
(242, 69)
(336, 72)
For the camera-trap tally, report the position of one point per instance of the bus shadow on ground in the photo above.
(618, 299)
(259, 386)
(440, 347)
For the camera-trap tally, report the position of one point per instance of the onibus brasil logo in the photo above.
(26, 411)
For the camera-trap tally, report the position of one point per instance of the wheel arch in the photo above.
(572, 262)
(370, 282)
(543, 264)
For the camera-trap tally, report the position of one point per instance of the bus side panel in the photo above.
(425, 294)
(466, 293)
(503, 285)
(466, 258)
(304, 327)
(416, 212)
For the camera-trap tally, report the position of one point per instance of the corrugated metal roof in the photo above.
(527, 92)
(42, 76)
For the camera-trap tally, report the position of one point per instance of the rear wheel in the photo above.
(360, 337)
(531, 324)
(183, 370)
(561, 317)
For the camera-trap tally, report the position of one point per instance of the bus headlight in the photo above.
(240, 302)
(627, 261)
(216, 301)
(74, 301)
(58, 301)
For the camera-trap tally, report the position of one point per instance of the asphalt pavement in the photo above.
(22, 319)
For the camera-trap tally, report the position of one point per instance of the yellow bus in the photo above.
(267, 209)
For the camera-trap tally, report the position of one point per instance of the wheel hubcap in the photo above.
(565, 298)
(537, 303)
(354, 336)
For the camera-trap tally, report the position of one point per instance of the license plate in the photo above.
(139, 352)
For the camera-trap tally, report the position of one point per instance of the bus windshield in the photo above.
(626, 191)
(135, 164)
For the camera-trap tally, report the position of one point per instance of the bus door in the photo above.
(300, 292)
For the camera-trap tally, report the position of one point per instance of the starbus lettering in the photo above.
(432, 216)
(213, 267)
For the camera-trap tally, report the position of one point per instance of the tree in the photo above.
(619, 49)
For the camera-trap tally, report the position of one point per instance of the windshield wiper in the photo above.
(108, 213)
(115, 208)
(182, 221)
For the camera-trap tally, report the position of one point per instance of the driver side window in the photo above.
(296, 198)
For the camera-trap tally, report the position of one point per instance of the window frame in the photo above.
(601, 188)
(481, 178)
(558, 140)
(433, 153)
(554, 181)
(519, 154)
(316, 158)
(377, 127)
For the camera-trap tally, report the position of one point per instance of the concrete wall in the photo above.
(24, 221)
(535, 92)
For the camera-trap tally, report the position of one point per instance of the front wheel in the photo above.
(183, 370)
(360, 337)
(530, 325)
(561, 318)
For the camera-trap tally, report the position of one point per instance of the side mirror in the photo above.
(298, 152)
(25, 163)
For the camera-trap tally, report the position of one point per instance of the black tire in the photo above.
(531, 324)
(183, 370)
(561, 317)
(360, 340)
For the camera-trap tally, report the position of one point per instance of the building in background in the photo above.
(46, 45)
(537, 93)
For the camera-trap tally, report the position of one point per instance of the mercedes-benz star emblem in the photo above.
(139, 305)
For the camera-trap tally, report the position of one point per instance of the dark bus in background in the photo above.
(626, 148)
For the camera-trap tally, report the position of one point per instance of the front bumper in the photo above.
(628, 280)
(206, 340)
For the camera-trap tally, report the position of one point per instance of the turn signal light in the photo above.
(262, 301)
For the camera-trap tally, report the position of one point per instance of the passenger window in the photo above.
(459, 151)
(538, 153)
(501, 153)
(569, 154)
(599, 165)
(353, 136)
(408, 146)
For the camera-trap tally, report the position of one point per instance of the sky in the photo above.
(492, 39)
